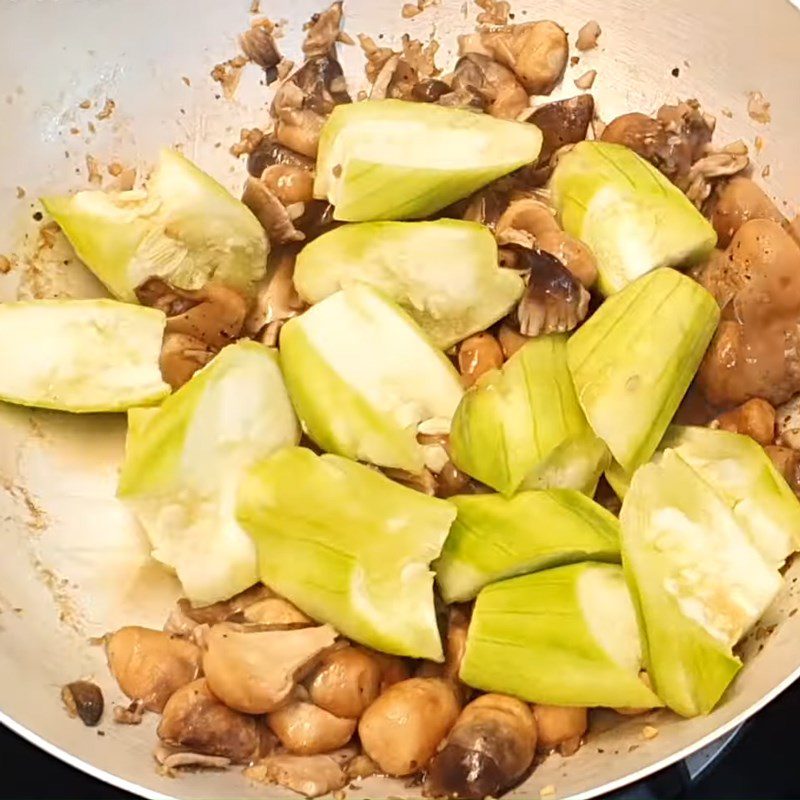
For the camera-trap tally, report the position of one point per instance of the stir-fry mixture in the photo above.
(473, 415)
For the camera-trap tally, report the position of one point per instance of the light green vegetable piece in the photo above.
(443, 273)
(80, 355)
(392, 159)
(634, 359)
(525, 420)
(566, 636)
(183, 463)
(629, 215)
(363, 376)
(494, 538)
(743, 475)
(698, 581)
(349, 547)
(185, 228)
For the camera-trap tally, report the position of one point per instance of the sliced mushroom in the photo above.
(489, 749)
(524, 221)
(276, 298)
(270, 212)
(311, 776)
(290, 184)
(554, 299)
(172, 759)
(402, 729)
(196, 720)
(306, 729)
(451, 481)
(253, 670)
(456, 641)
(720, 164)
(83, 699)
(536, 51)
(151, 665)
(323, 31)
(504, 95)
(346, 682)
(423, 481)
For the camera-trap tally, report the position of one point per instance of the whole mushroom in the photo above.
(756, 350)
(479, 74)
(402, 729)
(196, 720)
(306, 729)
(490, 747)
(151, 665)
(346, 682)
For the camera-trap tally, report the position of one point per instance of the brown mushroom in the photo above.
(269, 153)
(477, 75)
(181, 356)
(429, 91)
(754, 418)
(477, 355)
(559, 726)
(196, 720)
(489, 749)
(562, 122)
(739, 200)
(346, 682)
(259, 46)
(217, 317)
(402, 729)
(304, 100)
(451, 481)
(151, 665)
(529, 218)
(290, 184)
(323, 30)
(554, 299)
(536, 51)
(572, 253)
(254, 670)
(756, 350)
(672, 141)
(83, 699)
(306, 729)
(456, 640)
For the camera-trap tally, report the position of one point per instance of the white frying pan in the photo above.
(72, 563)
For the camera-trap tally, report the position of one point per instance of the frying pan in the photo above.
(72, 562)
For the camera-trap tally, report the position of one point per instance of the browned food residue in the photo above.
(107, 110)
(758, 108)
